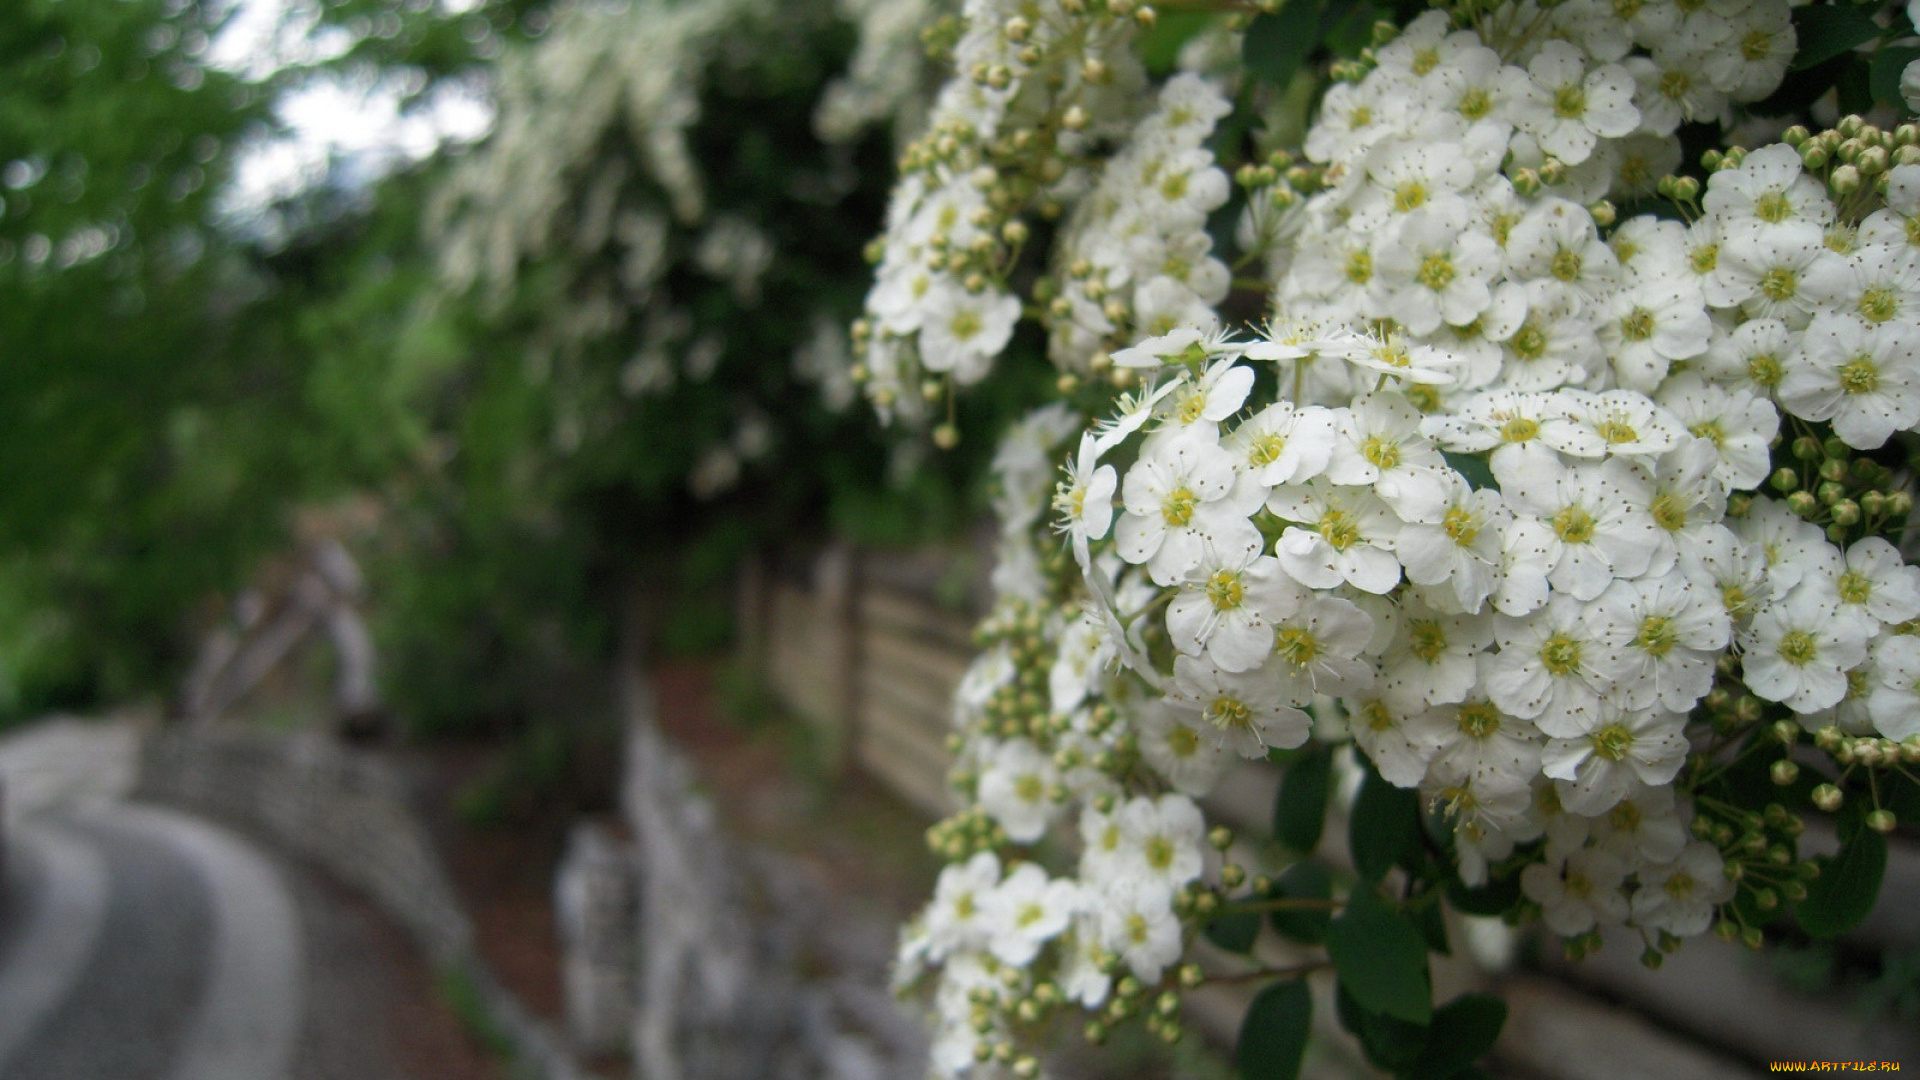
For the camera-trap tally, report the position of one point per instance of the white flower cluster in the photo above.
(1483, 494)
(1135, 257)
(1038, 85)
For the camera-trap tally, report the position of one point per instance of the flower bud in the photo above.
(1753, 938)
(1813, 155)
(1882, 821)
(1846, 512)
(1830, 492)
(1899, 503)
(1844, 181)
(1785, 479)
(1873, 161)
(1784, 772)
(1834, 469)
(946, 436)
(1828, 798)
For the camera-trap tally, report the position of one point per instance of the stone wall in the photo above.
(348, 812)
(744, 970)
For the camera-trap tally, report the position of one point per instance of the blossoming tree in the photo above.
(1518, 452)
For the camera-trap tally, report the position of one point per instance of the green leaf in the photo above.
(1433, 927)
(1883, 75)
(1300, 809)
(1303, 881)
(1385, 825)
(1847, 887)
(1273, 1036)
(1826, 31)
(1381, 959)
(1346, 28)
(1462, 1030)
(1473, 467)
(1277, 44)
(1160, 45)
(1493, 898)
(1390, 1044)
(1235, 932)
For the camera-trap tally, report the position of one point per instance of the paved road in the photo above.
(139, 943)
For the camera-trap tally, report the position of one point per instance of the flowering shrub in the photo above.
(1570, 540)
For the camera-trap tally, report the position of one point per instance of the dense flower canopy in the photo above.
(1547, 513)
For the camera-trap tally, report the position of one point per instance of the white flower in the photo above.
(1435, 269)
(955, 920)
(1769, 189)
(1598, 767)
(1222, 610)
(1084, 499)
(1679, 897)
(1016, 789)
(1459, 556)
(1177, 500)
(1281, 444)
(1552, 668)
(1137, 923)
(1865, 377)
(1344, 534)
(1180, 745)
(1570, 107)
(1579, 892)
(1667, 634)
(1480, 752)
(1876, 585)
(1798, 654)
(1027, 910)
(1588, 523)
(1432, 660)
(1246, 711)
(1894, 700)
(962, 332)
(1739, 423)
(1160, 842)
(1381, 731)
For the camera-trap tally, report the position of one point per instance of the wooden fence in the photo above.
(868, 646)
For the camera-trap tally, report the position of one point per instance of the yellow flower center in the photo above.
(1779, 284)
(1612, 742)
(1860, 375)
(1479, 719)
(1615, 430)
(1566, 265)
(1854, 587)
(1427, 638)
(1637, 325)
(1668, 513)
(1177, 510)
(1296, 646)
(1360, 267)
(1798, 648)
(1339, 530)
(1267, 449)
(1773, 207)
(1879, 303)
(1436, 271)
(1561, 655)
(1570, 102)
(1573, 525)
(1461, 527)
(1226, 713)
(1225, 590)
(1657, 635)
(1383, 453)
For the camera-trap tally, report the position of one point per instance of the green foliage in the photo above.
(1303, 881)
(1381, 959)
(1849, 883)
(1273, 1035)
(1385, 826)
(1300, 808)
